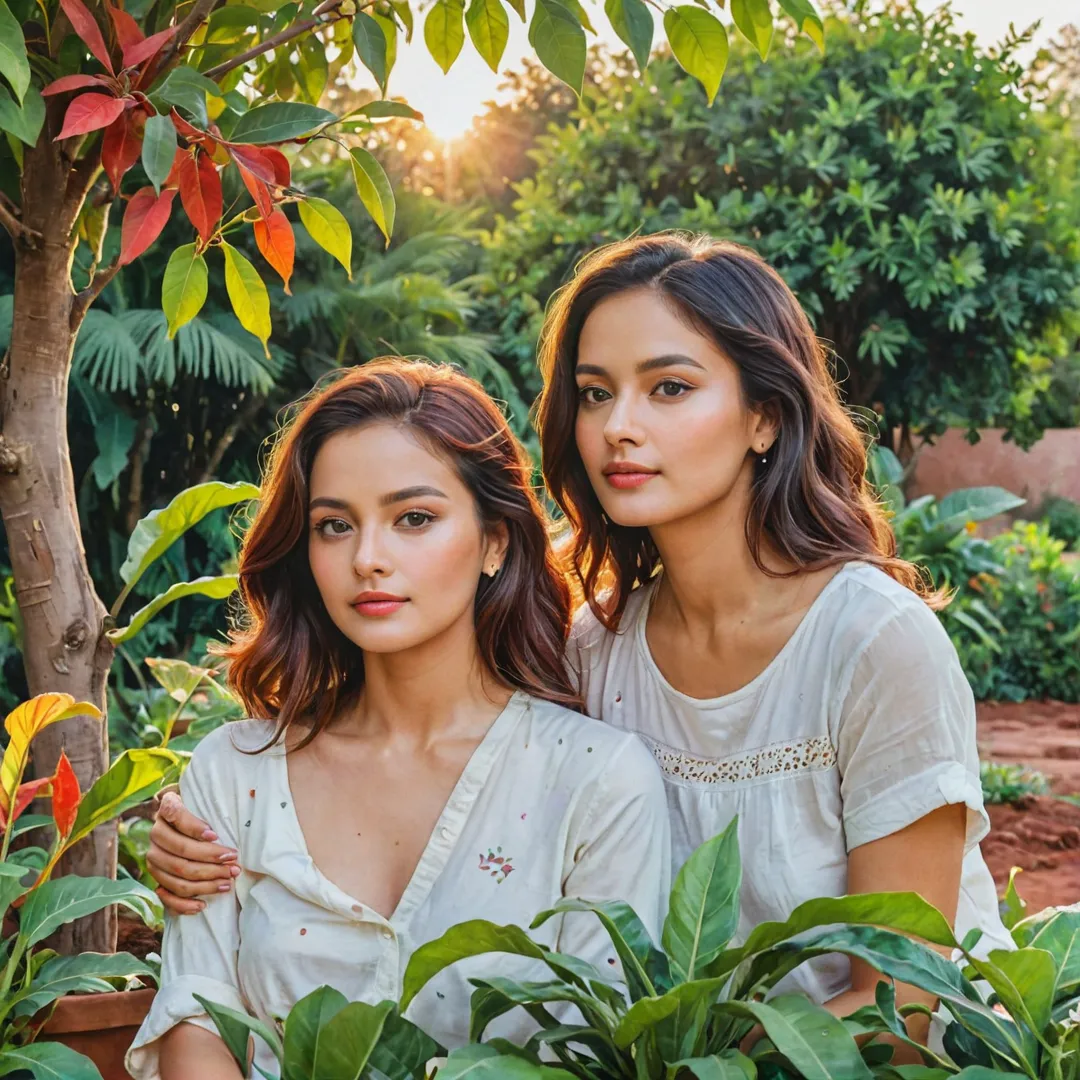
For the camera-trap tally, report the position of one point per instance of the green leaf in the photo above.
(236, 1027)
(807, 20)
(374, 189)
(11, 886)
(370, 42)
(280, 121)
(647, 1012)
(247, 293)
(389, 29)
(699, 42)
(313, 70)
(754, 20)
(633, 22)
(489, 28)
(133, 778)
(25, 823)
(444, 33)
(25, 121)
(183, 288)
(160, 529)
(14, 63)
(727, 1065)
(48, 1061)
(1024, 980)
(328, 227)
(974, 504)
(349, 1038)
(1057, 931)
(188, 90)
(704, 910)
(559, 41)
(477, 1062)
(217, 588)
(812, 1039)
(114, 436)
(1012, 907)
(55, 903)
(158, 149)
(403, 1050)
(376, 110)
(304, 1030)
(84, 973)
(519, 7)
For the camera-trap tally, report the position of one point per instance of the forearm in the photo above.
(188, 1050)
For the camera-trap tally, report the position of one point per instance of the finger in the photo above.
(173, 811)
(188, 889)
(179, 906)
(159, 859)
(164, 836)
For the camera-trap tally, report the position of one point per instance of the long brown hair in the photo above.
(811, 501)
(287, 659)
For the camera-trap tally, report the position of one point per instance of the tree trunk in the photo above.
(64, 646)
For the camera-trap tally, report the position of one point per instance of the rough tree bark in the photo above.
(65, 648)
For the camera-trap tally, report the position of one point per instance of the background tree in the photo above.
(913, 188)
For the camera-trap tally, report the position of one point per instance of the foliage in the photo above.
(32, 978)
(1062, 518)
(1036, 596)
(1007, 783)
(907, 185)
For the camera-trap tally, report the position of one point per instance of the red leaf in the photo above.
(127, 29)
(200, 193)
(144, 219)
(192, 134)
(65, 796)
(279, 163)
(26, 794)
(73, 82)
(252, 159)
(143, 50)
(88, 112)
(275, 238)
(122, 144)
(87, 29)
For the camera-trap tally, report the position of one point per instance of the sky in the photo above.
(449, 102)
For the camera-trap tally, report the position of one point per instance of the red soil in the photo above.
(1043, 836)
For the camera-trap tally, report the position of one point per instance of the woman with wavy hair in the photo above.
(417, 760)
(744, 609)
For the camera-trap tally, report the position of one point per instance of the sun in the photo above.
(448, 119)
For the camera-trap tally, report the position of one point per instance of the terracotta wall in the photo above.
(1050, 467)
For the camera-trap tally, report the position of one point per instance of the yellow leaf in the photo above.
(248, 295)
(24, 723)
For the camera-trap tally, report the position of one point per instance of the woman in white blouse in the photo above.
(745, 612)
(405, 633)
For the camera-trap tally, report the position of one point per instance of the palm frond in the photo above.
(106, 354)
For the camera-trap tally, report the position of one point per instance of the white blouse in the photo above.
(551, 804)
(861, 725)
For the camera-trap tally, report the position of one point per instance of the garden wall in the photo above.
(1050, 467)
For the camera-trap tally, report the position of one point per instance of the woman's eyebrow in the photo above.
(667, 360)
(417, 492)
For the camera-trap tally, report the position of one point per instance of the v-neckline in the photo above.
(443, 837)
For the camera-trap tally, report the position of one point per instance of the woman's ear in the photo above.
(764, 428)
(498, 540)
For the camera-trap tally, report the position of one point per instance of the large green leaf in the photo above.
(114, 435)
(957, 508)
(403, 1051)
(217, 588)
(475, 1062)
(807, 20)
(1024, 981)
(374, 189)
(489, 28)
(512, 992)
(370, 42)
(48, 1061)
(247, 294)
(14, 63)
(83, 973)
(160, 529)
(812, 1039)
(349, 1038)
(704, 909)
(1057, 931)
(754, 20)
(559, 41)
(727, 1065)
(633, 22)
(304, 1030)
(187, 89)
(235, 1028)
(280, 121)
(158, 149)
(444, 33)
(135, 776)
(184, 287)
(23, 121)
(685, 999)
(699, 42)
(645, 967)
(11, 884)
(55, 903)
(329, 228)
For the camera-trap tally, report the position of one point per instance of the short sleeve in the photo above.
(620, 850)
(906, 738)
(198, 951)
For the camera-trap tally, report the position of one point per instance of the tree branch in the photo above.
(318, 18)
(18, 231)
(195, 17)
(87, 296)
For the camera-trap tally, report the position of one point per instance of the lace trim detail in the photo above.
(798, 755)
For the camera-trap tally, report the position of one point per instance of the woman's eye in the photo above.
(332, 527)
(671, 388)
(593, 395)
(415, 519)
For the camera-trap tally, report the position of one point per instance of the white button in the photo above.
(388, 934)
(445, 831)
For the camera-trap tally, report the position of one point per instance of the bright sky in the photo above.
(449, 102)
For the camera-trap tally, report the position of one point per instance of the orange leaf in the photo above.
(26, 794)
(65, 796)
(279, 163)
(122, 144)
(89, 112)
(144, 219)
(138, 52)
(127, 29)
(87, 29)
(275, 238)
(73, 82)
(200, 193)
(192, 133)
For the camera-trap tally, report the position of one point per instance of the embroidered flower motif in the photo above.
(496, 864)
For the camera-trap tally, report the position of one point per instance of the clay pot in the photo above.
(101, 1026)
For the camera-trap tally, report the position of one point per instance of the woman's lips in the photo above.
(378, 604)
(627, 475)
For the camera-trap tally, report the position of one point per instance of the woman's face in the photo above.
(395, 544)
(662, 427)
